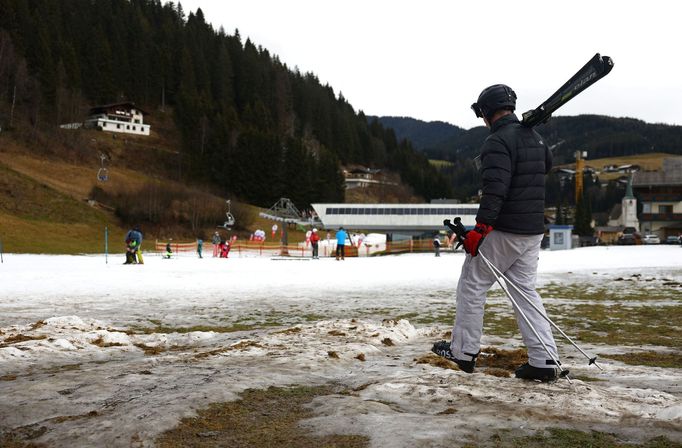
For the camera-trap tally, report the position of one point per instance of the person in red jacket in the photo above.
(314, 241)
(224, 247)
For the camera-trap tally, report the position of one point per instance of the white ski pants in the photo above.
(517, 257)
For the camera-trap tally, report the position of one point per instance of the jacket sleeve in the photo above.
(496, 172)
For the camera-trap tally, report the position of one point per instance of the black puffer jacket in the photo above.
(514, 161)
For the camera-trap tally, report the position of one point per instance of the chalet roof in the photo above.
(364, 171)
(608, 229)
(616, 211)
(670, 174)
(106, 107)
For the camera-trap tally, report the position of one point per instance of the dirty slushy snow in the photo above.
(95, 354)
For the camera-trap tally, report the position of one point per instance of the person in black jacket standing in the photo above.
(509, 228)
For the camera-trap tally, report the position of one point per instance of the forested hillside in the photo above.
(599, 135)
(422, 134)
(250, 126)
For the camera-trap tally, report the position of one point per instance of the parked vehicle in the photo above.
(672, 239)
(627, 240)
(651, 239)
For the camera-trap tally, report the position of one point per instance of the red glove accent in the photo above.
(474, 238)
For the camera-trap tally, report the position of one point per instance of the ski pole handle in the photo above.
(457, 228)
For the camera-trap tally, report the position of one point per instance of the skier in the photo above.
(436, 245)
(200, 246)
(129, 248)
(133, 240)
(138, 236)
(314, 242)
(169, 250)
(341, 243)
(215, 240)
(514, 160)
(224, 248)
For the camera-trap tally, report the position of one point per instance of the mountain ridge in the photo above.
(600, 135)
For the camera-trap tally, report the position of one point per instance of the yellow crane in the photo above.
(579, 168)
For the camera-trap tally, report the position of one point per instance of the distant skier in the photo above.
(314, 242)
(133, 241)
(169, 250)
(436, 245)
(200, 246)
(138, 249)
(514, 161)
(130, 247)
(224, 248)
(341, 243)
(215, 240)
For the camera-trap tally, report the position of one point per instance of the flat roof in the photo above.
(399, 218)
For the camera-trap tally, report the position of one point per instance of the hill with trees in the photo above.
(422, 134)
(601, 136)
(247, 124)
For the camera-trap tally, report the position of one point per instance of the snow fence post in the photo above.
(106, 245)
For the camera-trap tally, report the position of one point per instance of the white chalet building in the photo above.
(119, 117)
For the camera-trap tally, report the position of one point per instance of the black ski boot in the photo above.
(442, 348)
(545, 374)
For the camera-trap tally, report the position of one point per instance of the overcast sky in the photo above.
(430, 59)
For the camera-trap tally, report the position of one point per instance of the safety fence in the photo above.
(326, 248)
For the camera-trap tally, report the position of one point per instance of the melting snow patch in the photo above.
(9, 353)
(671, 413)
(63, 344)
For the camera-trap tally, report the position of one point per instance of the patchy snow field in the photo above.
(95, 354)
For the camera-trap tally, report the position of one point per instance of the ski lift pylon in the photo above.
(103, 172)
(229, 218)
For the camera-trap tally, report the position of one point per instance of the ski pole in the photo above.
(593, 360)
(460, 231)
(563, 372)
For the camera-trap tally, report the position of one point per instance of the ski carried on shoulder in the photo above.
(595, 69)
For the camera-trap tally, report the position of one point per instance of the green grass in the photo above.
(622, 325)
(652, 359)
(627, 289)
(261, 418)
(35, 218)
(214, 328)
(441, 163)
(557, 437)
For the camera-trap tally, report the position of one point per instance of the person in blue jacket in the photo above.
(341, 243)
(133, 242)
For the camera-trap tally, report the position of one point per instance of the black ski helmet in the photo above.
(494, 98)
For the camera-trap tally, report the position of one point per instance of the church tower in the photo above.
(628, 215)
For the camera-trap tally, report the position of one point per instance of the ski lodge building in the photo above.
(660, 193)
(403, 219)
(118, 117)
(363, 178)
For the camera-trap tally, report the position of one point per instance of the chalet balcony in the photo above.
(660, 197)
(120, 118)
(661, 217)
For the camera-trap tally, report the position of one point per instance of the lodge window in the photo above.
(665, 209)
